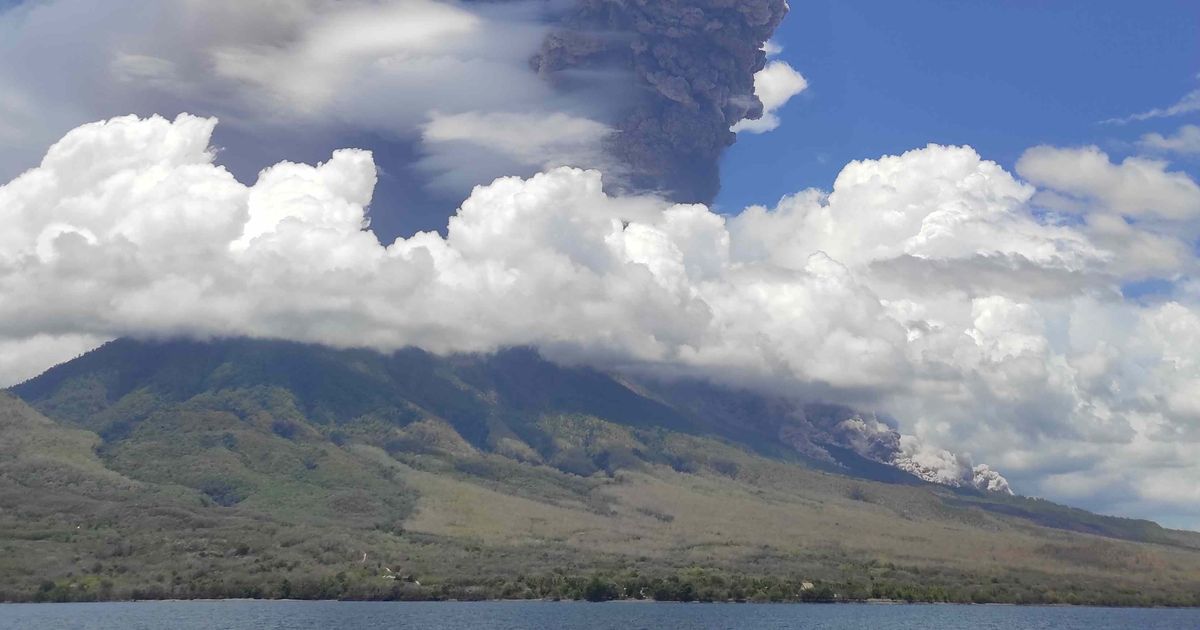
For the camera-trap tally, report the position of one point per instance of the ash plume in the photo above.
(693, 64)
(817, 427)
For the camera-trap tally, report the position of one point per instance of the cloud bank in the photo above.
(932, 285)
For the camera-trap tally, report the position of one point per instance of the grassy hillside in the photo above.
(240, 468)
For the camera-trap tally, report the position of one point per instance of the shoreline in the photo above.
(630, 601)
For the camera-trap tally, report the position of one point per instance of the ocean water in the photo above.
(253, 615)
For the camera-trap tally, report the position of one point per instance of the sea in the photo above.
(294, 615)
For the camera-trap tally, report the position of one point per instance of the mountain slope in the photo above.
(280, 461)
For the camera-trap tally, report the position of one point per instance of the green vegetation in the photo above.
(695, 585)
(263, 469)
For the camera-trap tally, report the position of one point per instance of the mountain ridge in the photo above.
(464, 467)
(771, 424)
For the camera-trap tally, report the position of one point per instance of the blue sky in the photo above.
(1001, 76)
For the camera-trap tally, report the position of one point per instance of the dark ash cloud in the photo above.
(694, 64)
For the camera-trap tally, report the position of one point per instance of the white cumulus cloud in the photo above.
(928, 285)
(775, 85)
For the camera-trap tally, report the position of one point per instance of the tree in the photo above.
(600, 590)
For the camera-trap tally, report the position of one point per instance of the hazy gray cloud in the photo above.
(510, 143)
(268, 67)
(28, 357)
(646, 91)
(1188, 104)
(988, 274)
(1137, 187)
(1138, 210)
(1186, 141)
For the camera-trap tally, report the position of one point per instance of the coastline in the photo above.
(620, 601)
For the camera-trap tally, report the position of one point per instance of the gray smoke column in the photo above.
(693, 64)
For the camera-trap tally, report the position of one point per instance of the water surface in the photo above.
(253, 615)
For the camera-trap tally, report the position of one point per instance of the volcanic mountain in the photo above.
(263, 468)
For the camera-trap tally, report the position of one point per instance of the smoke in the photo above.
(695, 64)
(941, 466)
(818, 426)
(448, 94)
